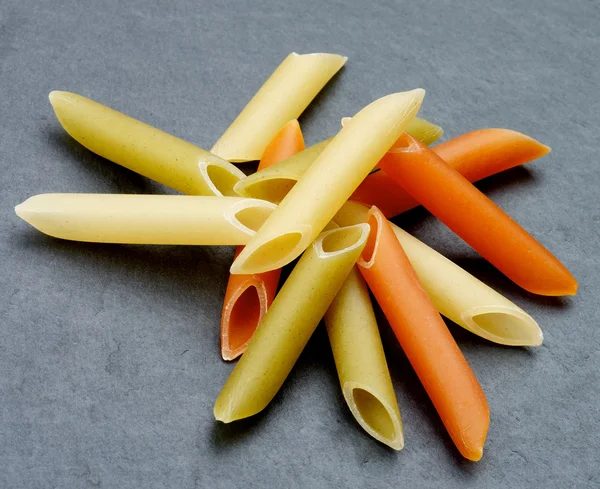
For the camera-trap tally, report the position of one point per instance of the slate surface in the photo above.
(109, 354)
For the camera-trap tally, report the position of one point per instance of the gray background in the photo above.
(109, 354)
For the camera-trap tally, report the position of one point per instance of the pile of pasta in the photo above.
(329, 206)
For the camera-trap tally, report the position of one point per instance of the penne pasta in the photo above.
(476, 219)
(275, 182)
(360, 362)
(146, 219)
(289, 322)
(143, 148)
(328, 183)
(423, 130)
(457, 294)
(248, 297)
(429, 346)
(284, 96)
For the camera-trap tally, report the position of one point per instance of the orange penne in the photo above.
(475, 155)
(424, 337)
(475, 218)
(248, 297)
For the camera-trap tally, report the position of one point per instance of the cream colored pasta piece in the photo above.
(143, 148)
(457, 294)
(284, 96)
(290, 321)
(146, 219)
(423, 130)
(360, 362)
(328, 183)
(274, 182)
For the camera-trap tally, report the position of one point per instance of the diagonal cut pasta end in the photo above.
(374, 221)
(273, 188)
(242, 314)
(249, 215)
(220, 176)
(374, 416)
(273, 252)
(504, 325)
(341, 240)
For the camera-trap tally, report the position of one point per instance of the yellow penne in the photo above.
(423, 130)
(290, 321)
(360, 362)
(146, 219)
(143, 148)
(328, 183)
(274, 182)
(457, 294)
(284, 96)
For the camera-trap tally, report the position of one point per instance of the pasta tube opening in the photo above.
(504, 325)
(375, 418)
(370, 250)
(271, 189)
(249, 215)
(274, 253)
(243, 312)
(220, 177)
(341, 240)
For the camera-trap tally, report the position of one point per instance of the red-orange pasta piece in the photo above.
(476, 219)
(424, 337)
(475, 155)
(248, 297)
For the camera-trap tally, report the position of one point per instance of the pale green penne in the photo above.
(289, 322)
(360, 362)
(143, 148)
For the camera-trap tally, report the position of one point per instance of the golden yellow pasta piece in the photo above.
(284, 96)
(290, 321)
(360, 362)
(146, 219)
(457, 294)
(143, 148)
(328, 183)
(274, 182)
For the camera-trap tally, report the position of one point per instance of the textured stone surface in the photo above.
(109, 354)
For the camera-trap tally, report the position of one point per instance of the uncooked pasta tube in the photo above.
(328, 183)
(476, 219)
(143, 148)
(146, 219)
(475, 155)
(284, 96)
(360, 362)
(289, 322)
(456, 293)
(429, 346)
(275, 182)
(248, 297)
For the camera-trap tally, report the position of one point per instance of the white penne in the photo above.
(290, 321)
(328, 183)
(146, 219)
(360, 362)
(143, 148)
(457, 294)
(274, 182)
(284, 96)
